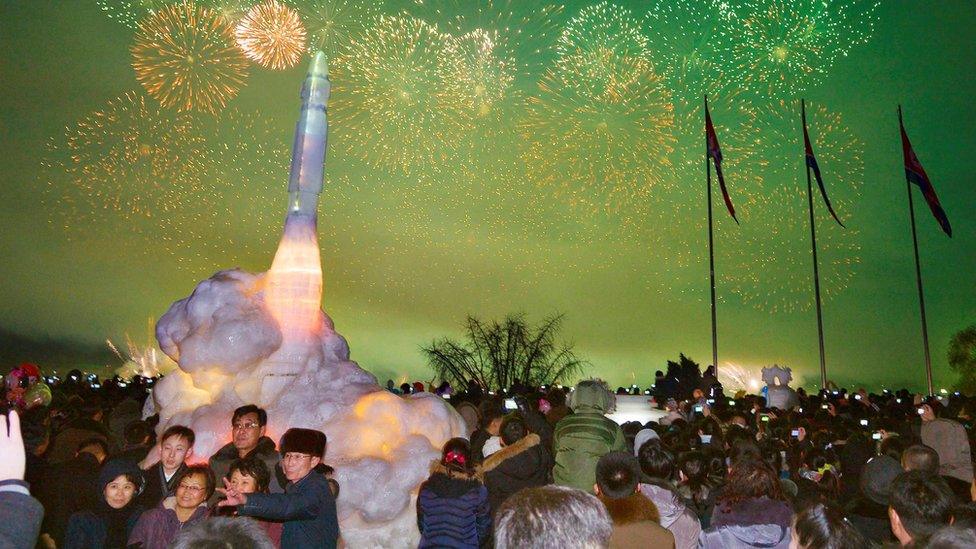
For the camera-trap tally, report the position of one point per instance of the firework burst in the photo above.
(130, 159)
(186, 59)
(334, 24)
(600, 136)
(600, 32)
(782, 47)
(391, 98)
(272, 35)
(129, 12)
(776, 272)
(521, 31)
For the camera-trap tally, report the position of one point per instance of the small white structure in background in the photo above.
(635, 408)
(778, 392)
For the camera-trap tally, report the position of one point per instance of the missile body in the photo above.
(311, 139)
(293, 287)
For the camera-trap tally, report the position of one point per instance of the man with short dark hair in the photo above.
(921, 503)
(636, 521)
(307, 507)
(175, 447)
(248, 427)
(521, 463)
(552, 516)
(920, 458)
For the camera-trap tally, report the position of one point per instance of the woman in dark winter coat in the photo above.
(523, 462)
(452, 506)
(110, 523)
(751, 510)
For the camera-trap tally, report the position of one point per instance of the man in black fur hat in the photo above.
(307, 507)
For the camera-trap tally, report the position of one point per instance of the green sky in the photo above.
(542, 205)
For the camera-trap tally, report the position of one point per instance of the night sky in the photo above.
(496, 157)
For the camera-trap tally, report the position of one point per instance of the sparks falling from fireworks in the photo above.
(600, 135)
(333, 24)
(144, 360)
(776, 271)
(186, 59)
(391, 103)
(600, 32)
(481, 81)
(272, 35)
(521, 31)
(129, 158)
(782, 47)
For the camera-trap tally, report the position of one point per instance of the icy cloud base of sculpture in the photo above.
(224, 339)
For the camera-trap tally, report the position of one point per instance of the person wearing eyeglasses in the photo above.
(157, 527)
(249, 425)
(307, 507)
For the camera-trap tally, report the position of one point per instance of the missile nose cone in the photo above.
(319, 65)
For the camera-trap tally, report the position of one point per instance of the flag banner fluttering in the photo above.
(916, 174)
(813, 165)
(715, 153)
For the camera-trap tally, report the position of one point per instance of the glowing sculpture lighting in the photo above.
(294, 283)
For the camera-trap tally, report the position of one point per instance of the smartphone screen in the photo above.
(510, 404)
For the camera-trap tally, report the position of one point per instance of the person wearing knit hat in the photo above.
(868, 511)
(111, 522)
(643, 436)
(307, 508)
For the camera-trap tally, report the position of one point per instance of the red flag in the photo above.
(715, 153)
(812, 163)
(916, 174)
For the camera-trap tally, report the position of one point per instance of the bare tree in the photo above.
(497, 354)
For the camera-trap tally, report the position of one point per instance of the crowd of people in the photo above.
(538, 467)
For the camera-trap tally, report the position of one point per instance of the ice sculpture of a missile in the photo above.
(293, 292)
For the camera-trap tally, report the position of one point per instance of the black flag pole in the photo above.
(813, 246)
(918, 275)
(711, 254)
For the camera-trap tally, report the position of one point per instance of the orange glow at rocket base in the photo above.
(294, 286)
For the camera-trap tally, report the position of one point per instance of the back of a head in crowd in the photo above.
(656, 461)
(179, 431)
(252, 467)
(920, 458)
(751, 478)
(617, 475)
(592, 393)
(222, 532)
(250, 409)
(513, 429)
(456, 455)
(137, 432)
(952, 537)
(552, 516)
(489, 410)
(94, 446)
(819, 526)
(922, 501)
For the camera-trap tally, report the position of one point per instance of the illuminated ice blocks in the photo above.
(263, 338)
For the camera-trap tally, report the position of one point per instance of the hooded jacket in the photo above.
(948, 438)
(675, 516)
(265, 451)
(524, 464)
(452, 510)
(158, 527)
(581, 439)
(758, 522)
(635, 523)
